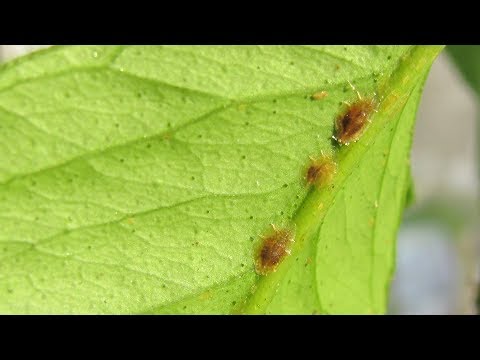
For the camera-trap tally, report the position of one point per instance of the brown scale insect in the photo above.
(354, 120)
(273, 249)
(321, 170)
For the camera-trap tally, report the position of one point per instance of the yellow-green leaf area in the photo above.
(140, 179)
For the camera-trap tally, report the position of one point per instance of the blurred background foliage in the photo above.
(438, 252)
(438, 249)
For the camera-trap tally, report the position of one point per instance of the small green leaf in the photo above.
(139, 179)
(467, 58)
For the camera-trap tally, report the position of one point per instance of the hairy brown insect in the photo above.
(273, 249)
(351, 124)
(321, 170)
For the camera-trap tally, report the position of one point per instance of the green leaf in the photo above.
(140, 179)
(467, 58)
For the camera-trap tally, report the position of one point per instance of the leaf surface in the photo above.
(140, 179)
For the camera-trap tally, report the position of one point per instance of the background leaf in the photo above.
(139, 179)
(467, 58)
